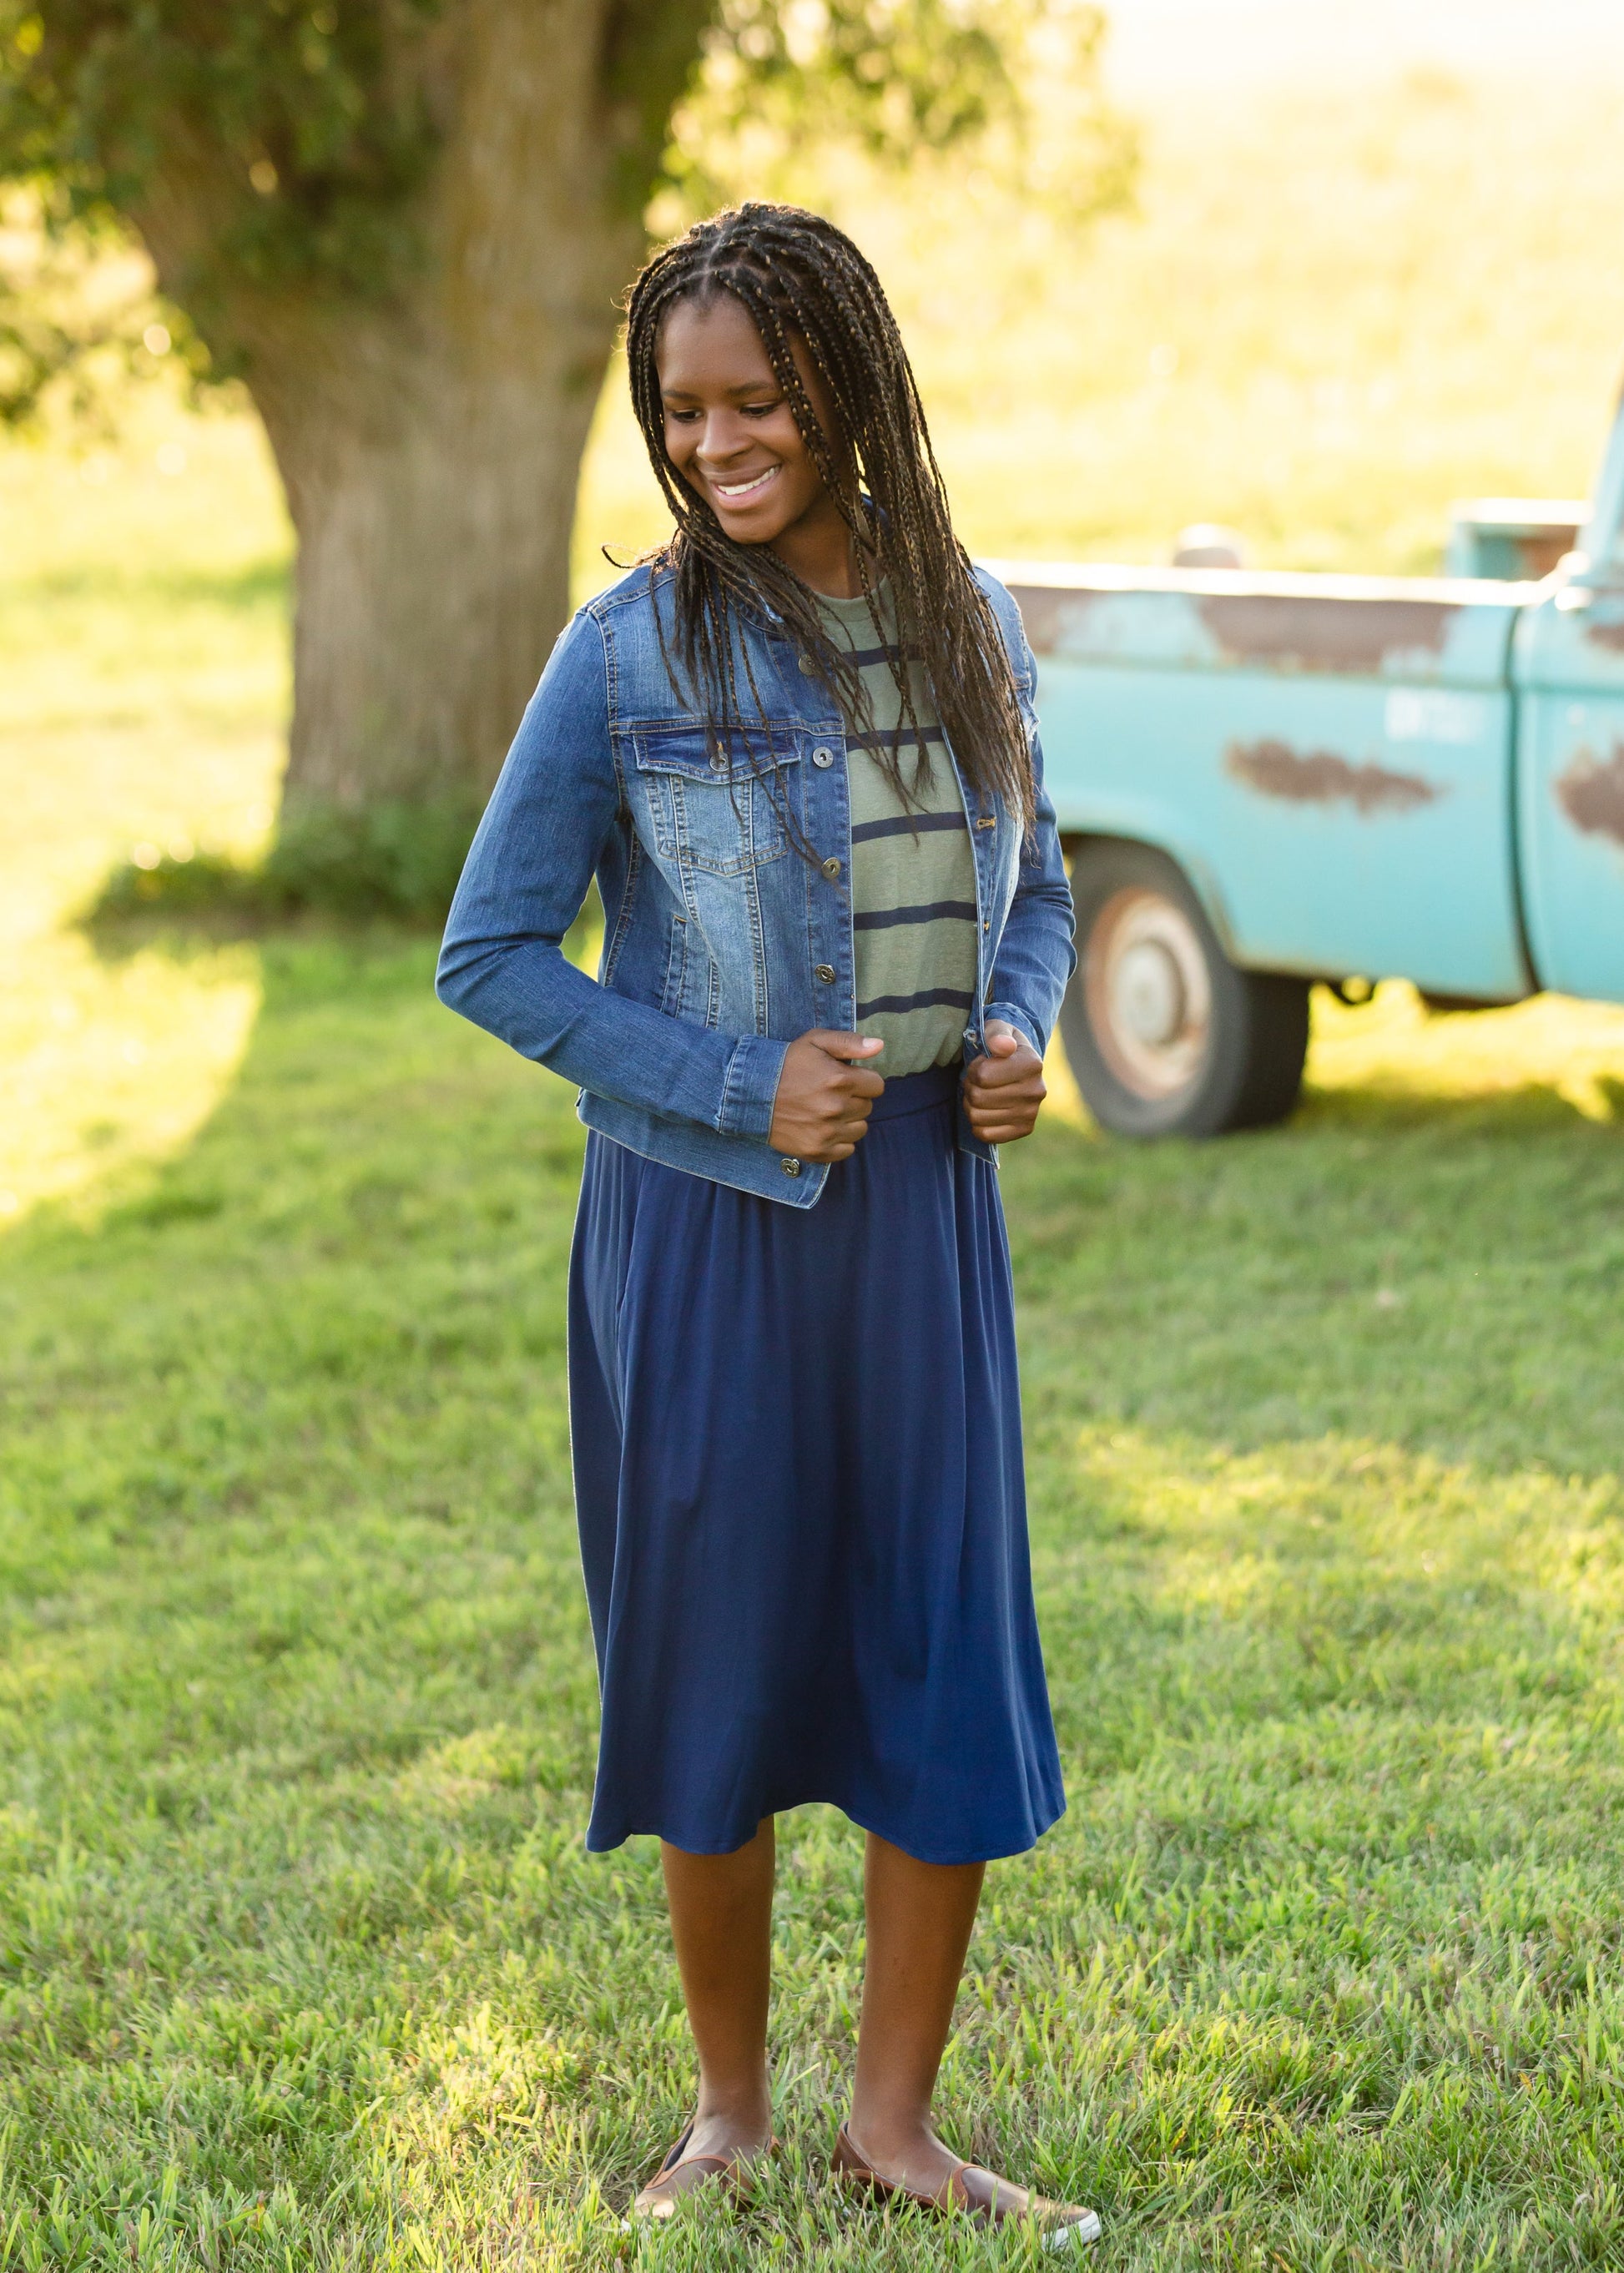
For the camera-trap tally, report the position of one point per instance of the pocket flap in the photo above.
(706, 755)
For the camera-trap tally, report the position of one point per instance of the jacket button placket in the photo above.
(981, 852)
(827, 817)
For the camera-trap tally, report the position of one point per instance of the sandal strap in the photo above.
(733, 2168)
(982, 2203)
(667, 2171)
(673, 2154)
(851, 2163)
(953, 2188)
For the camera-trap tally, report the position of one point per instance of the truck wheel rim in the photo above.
(1147, 993)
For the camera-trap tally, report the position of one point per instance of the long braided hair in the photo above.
(801, 278)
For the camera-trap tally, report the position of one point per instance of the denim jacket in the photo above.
(722, 941)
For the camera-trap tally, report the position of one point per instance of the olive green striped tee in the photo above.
(913, 871)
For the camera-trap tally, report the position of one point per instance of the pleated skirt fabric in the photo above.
(796, 1437)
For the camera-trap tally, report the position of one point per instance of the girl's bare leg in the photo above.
(920, 1917)
(721, 1921)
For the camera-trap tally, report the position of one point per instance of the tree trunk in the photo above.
(434, 517)
(430, 438)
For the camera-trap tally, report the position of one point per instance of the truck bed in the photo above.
(1328, 758)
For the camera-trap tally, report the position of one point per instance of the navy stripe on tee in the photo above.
(906, 824)
(895, 738)
(863, 656)
(933, 912)
(929, 1000)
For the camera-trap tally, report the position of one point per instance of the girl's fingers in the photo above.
(1006, 1072)
(1029, 1090)
(839, 1142)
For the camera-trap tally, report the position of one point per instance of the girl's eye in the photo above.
(688, 418)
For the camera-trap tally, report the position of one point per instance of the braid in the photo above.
(800, 277)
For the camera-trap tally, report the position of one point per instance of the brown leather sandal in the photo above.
(682, 2174)
(971, 2192)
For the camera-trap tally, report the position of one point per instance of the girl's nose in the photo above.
(722, 437)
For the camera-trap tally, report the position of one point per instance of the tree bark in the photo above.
(430, 438)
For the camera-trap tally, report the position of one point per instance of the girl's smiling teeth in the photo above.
(733, 490)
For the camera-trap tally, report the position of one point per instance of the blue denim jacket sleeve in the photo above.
(550, 818)
(1036, 957)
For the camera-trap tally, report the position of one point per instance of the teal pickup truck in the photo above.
(1263, 780)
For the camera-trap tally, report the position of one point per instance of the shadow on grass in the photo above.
(1444, 1274)
(390, 861)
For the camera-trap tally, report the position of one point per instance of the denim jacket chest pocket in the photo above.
(707, 807)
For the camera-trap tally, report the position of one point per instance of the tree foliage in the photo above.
(898, 81)
(312, 120)
(894, 75)
(79, 321)
(313, 123)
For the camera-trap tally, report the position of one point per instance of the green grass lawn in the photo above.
(302, 1964)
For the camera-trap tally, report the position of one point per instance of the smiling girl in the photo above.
(798, 752)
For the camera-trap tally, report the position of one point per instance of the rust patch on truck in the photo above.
(1299, 632)
(1592, 794)
(1606, 635)
(1047, 610)
(1321, 777)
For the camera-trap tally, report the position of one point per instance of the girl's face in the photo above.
(729, 429)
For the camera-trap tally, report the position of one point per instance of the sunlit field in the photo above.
(302, 1964)
(1331, 316)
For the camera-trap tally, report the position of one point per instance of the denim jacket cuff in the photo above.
(1019, 1019)
(750, 1087)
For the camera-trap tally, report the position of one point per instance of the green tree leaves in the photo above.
(302, 125)
(898, 82)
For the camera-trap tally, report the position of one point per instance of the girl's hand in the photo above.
(1003, 1091)
(821, 1112)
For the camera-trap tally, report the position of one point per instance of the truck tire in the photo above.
(1164, 1036)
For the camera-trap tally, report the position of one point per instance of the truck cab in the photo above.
(1267, 779)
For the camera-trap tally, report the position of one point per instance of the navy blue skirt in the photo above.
(796, 1436)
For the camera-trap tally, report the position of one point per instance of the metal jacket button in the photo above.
(821, 757)
(826, 972)
(718, 759)
(831, 868)
(808, 668)
(792, 1167)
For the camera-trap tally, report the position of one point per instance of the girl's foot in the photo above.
(708, 2154)
(925, 2172)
